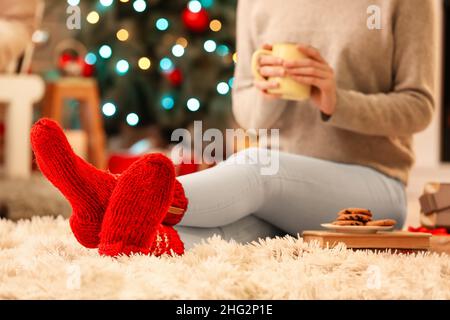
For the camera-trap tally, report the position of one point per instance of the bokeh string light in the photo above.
(178, 50)
(139, 5)
(122, 67)
(105, 51)
(123, 35)
(166, 64)
(193, 104)
(182, 42)
(90, 58)
(132, 119)
(93, 17)
(109, 109)
(207, 3)
(210, 46)
(231, 82)
(215, 25)
(223, 88)
(162, 24)
(222, 50)
(73, 2)
(167, 102)
(144, 63)
(106, 3)
(194, 6)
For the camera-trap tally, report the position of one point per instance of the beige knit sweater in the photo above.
(385, 78)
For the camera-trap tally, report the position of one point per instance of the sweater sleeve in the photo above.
(17, 19)
(250, 108)
(408, 109)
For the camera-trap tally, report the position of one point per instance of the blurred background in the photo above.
(148, 66)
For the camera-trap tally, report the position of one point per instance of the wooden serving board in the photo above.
(400, 240)
(440, 244)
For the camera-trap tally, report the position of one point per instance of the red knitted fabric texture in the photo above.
(179, 201)
(137, 206)
(86, 188)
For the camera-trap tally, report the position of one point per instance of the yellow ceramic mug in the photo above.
(289, 89)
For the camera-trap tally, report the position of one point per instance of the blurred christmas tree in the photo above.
(165, 62)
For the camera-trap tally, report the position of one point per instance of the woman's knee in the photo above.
(398, 214)
(393, 210)
(266, 161)
(246, 156)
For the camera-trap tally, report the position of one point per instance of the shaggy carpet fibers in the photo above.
(39, 259)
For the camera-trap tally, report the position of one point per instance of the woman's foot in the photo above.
(138, 206)
(86, 188)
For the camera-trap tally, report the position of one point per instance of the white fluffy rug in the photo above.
(40, 259)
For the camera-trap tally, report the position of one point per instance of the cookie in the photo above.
(348, 223)
(355, 217)
(381, 223)
(363, 211)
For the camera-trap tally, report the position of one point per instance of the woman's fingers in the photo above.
(270, 96)
(306, 63)
(270, 66)
(266, 85)
(309, 71)
(311, 52)
(272, 71)
(322, 84)
(269, 60)
(266, 60)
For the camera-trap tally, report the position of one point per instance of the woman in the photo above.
(348, 146)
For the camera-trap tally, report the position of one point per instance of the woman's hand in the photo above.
(269, 66)
(316, 72)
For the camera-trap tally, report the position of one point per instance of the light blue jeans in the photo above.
(236, 201)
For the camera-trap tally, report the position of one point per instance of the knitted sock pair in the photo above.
(131, 213)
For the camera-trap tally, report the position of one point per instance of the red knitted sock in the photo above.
(86, 188)
(178, 207)
(137, 207)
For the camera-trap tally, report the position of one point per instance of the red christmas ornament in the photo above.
(175, 77)
(88, 70)
(64, 59)
(72, 65)
(196, 21)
